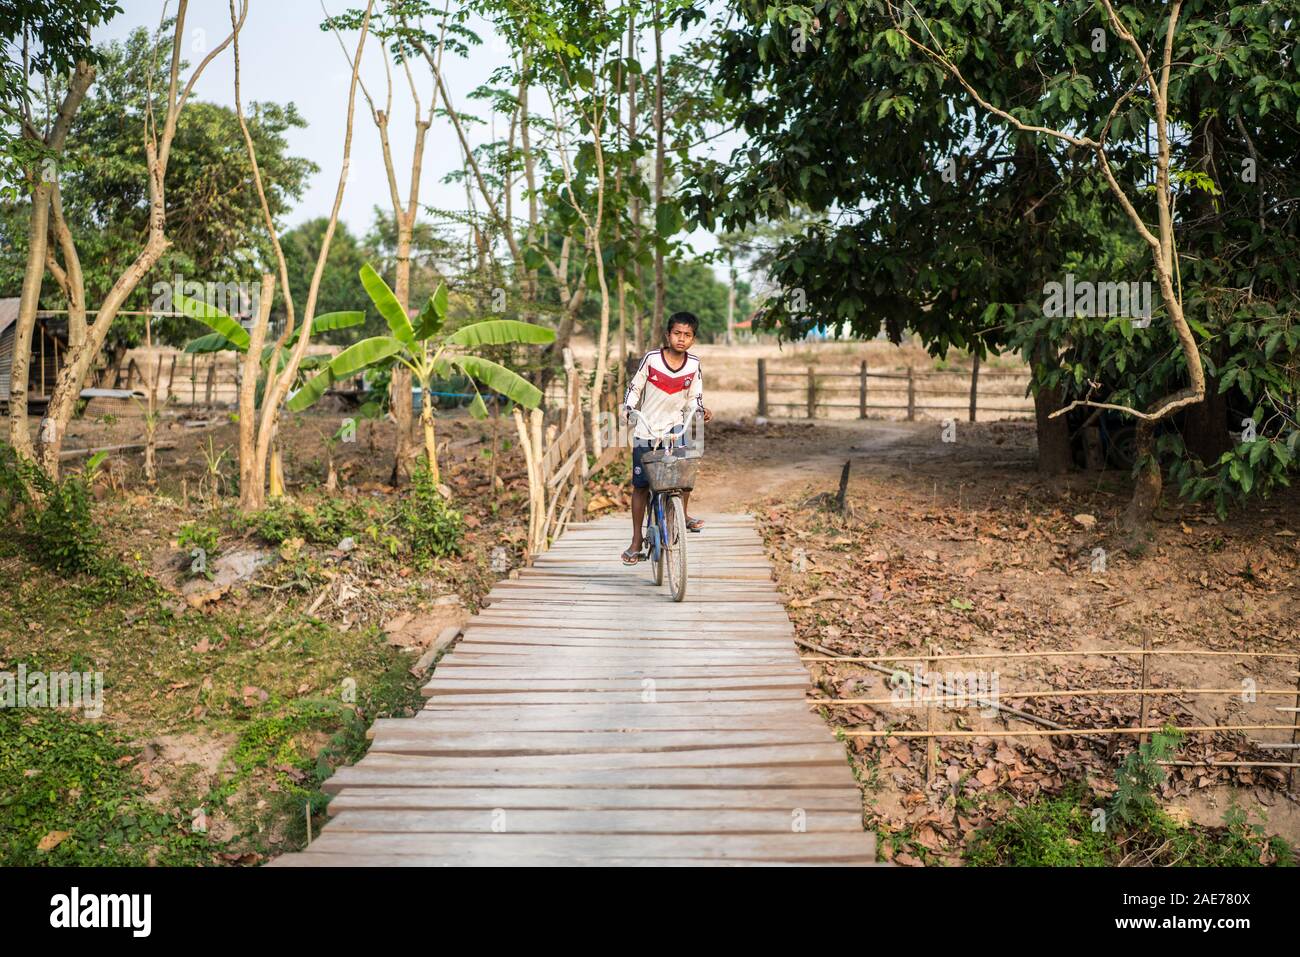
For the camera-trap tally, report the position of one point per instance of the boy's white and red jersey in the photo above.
(664, 394)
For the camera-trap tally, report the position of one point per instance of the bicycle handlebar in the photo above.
(657, 436)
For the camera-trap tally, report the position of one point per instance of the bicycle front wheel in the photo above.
(675, 553)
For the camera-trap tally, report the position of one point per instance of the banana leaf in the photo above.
(500, 332)
(387, 304)
(500, 379)
(329, 322)
(212, 342)
(433, 315)
(214, 319)
(347, 363)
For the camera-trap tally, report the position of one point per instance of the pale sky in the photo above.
(286, 57)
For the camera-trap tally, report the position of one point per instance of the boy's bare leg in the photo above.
(640, 499)
(686, 507)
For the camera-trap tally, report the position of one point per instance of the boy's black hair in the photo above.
(683, 319)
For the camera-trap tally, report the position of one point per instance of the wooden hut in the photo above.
(49, 347)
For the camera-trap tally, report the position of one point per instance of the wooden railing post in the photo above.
(762, 387)
(862, 390)
(212, 380)
(812, 393)
(911, 395)
(974, 384)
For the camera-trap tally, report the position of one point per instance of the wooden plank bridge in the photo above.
(584, 718)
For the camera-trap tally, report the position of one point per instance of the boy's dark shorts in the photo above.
(639, 479)
(639, 448)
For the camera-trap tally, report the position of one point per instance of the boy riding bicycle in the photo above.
(665, 390)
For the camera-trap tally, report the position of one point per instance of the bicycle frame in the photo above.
(655, 523)
(655, 538)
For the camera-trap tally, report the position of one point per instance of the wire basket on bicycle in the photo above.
(674, 464)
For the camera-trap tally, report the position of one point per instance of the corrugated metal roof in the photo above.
(8, 312)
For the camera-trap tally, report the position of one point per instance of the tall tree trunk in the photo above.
(731, 297)
(69, 274)
(277, 386)
(1054, 454)
(1205, 427)
(1147, 484)
(634, 205)
(34, 273)
(43, 185)
(250, 481)
(659, 164)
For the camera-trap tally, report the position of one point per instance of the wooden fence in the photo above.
(198, 380)
(909, 392)
(556, 457)
(210, 379)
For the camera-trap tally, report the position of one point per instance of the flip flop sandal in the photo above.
(631, 557)
(694, 524)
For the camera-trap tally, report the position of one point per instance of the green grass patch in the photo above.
(70, 780)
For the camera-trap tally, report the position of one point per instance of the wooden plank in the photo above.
(822, 847)
(415, 739)
(662, 696)
(529, 723)
(631, 714)
(411, 799)
(391, 770)
(705, 821)
(829, 752)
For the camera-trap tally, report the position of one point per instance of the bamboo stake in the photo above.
(1080, 732)
(1142, 683)
(532, 481)
(931, 748)
(564, 513)
(536, 421)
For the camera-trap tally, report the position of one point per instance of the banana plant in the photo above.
(421, 347)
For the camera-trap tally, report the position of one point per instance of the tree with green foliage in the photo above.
(963, 155)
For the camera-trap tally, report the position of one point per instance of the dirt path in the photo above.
(746, 462)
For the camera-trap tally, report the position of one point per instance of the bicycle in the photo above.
(670, 468)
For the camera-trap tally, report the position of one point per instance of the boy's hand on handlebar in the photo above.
(708, 415)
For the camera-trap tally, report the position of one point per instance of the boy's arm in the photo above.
(637, 383)
(695, 398)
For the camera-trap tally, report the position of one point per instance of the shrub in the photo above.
(1140, 775)
(325, 524)
(433, 528)
(15, 476)
(58, 529)
(64, 535)
(198, 535)
(1051, 833)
